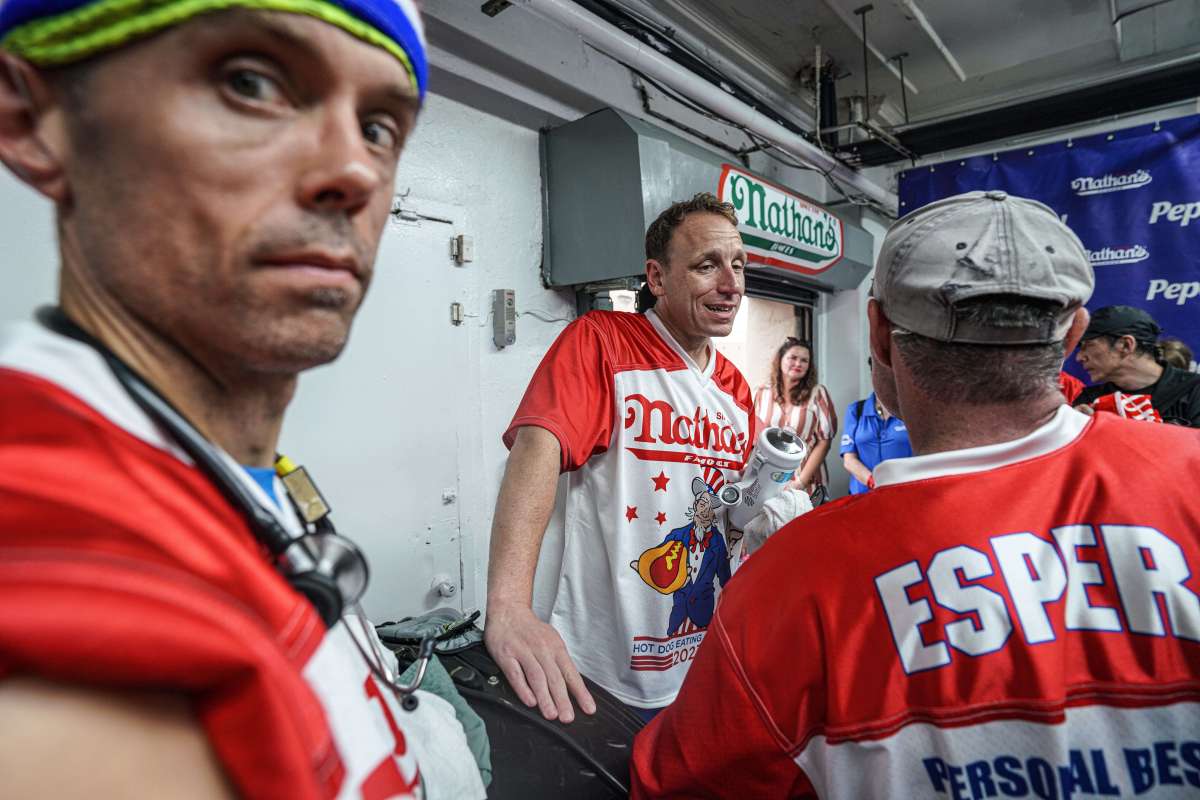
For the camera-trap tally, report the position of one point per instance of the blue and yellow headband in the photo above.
(55, 32)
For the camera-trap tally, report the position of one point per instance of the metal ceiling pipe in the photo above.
(848, 18)
(919, 16)
(628, 50)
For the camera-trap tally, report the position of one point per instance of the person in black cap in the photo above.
(1120, 354)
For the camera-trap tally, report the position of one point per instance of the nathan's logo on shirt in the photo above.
(1111, 256)
(780, 228)
(708, 437)
(1111, 183)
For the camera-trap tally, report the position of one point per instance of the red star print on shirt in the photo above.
(631, 513)
(660, 518)
(660, 483)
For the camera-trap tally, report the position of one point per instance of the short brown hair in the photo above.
(658, 235)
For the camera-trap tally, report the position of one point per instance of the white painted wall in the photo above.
(30, 249)
(484, 173)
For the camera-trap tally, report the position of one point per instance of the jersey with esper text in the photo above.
(647, 438)
(122, 566)
(1016, 620)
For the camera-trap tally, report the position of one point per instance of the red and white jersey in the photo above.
(646, 435)
(1016, 620)
(121, 565)
(1129, 406)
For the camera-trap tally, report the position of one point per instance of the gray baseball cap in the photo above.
(973, 245)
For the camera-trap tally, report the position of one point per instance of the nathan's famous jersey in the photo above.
(122, 565)
(647, 437)
(1016, 620)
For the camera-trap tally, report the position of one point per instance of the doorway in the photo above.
(762, 325)
(380, 427)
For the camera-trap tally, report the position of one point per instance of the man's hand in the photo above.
(733, 536)
(776, 513)
(535, 661)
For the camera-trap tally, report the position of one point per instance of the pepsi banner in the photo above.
(1132, 196)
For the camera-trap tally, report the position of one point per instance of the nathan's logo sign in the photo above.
(1111, 183)
(779, 228)
(1110, 256)
(709, 438)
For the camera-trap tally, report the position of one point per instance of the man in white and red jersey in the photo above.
(647, 419)
(221, 176)
(1012, 612)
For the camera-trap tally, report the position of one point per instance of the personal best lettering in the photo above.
(1085, 773)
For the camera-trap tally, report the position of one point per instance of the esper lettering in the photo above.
(1034, 573)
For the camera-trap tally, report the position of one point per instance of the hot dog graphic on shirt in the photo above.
(689, 561)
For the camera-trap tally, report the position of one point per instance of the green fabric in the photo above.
(107, 24)
(438, 681)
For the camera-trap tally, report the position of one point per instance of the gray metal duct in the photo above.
(608, 175)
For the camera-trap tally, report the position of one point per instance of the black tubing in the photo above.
(537, 719)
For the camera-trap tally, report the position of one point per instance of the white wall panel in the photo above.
(30, 249)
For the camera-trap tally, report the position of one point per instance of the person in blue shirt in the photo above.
(871, 435)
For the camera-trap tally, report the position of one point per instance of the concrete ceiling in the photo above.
(1006, 51)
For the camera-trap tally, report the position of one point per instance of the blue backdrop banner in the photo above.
(1132, 196)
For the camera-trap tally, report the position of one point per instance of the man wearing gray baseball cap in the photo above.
(987, 621)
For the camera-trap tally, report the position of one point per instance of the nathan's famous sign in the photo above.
(779, 228)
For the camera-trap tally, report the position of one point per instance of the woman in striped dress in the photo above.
(794, 399)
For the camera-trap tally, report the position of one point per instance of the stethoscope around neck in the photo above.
(322, 565)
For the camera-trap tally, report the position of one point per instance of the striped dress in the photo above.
(813, 420)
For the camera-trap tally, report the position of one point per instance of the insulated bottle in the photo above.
(776, 456)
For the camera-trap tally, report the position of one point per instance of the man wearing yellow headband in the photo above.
(221, 172)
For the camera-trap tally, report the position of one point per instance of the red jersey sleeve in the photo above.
(112, 622)
(1069, 385)
(687, 750)
(571, 395)
(123, 567)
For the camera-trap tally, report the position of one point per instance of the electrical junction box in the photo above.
(504, 317)
(462, 247)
